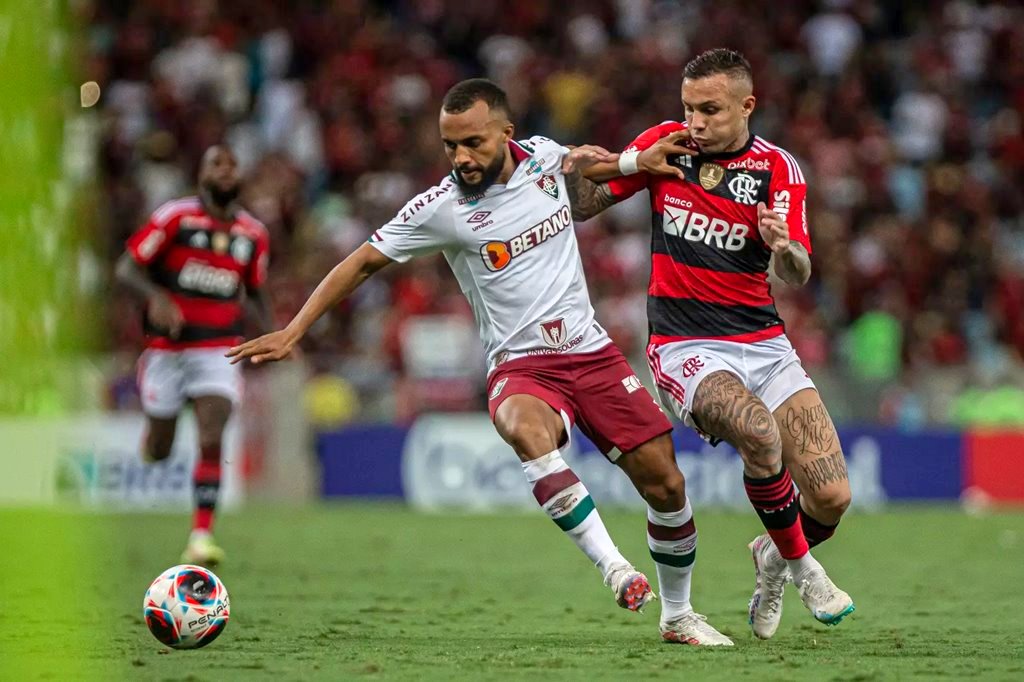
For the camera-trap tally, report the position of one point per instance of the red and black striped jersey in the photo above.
(709, 265)
(204, 263)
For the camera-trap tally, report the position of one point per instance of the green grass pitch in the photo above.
(379, 592)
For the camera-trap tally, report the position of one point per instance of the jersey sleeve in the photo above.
(153, 239)
(423, 226)
(626, 186)
(256, 274)
(788, 192)
(546, 152)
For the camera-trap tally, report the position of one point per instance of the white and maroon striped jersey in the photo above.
(513, 250)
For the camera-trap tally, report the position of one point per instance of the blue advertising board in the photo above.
(459, 461)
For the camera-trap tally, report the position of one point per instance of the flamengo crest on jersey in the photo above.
(204, 264)
(514, 252)
(709, 265)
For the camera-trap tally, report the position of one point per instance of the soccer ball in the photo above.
(186, 607)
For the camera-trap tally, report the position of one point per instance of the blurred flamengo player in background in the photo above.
(196, 262)
(718, 349)
(504, 221)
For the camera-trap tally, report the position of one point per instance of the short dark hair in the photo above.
(719, 60)
(465, 94)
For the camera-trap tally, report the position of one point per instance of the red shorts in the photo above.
(599, 392)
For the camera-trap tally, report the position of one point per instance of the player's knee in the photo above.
(667, 494)
(529, 438)
(829, 504)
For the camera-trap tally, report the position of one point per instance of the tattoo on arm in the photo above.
(794, 265)
(724, 408)
(586, 197)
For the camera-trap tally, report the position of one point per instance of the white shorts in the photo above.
(770, 369)
(167, 378)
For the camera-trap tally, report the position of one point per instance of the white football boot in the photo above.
(693, 629)
(823, 599)
(771, 574)
(631, 588)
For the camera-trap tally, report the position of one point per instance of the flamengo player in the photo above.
(192, 262)
(718, 349)
(504, 222)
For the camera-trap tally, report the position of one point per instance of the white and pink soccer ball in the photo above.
(186, 607)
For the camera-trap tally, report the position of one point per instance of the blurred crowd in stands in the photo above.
(906, 119)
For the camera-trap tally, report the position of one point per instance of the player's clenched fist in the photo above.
(774, 230)
(267, 348)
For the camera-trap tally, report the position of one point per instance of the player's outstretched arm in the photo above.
(653, 160)
(335, 287)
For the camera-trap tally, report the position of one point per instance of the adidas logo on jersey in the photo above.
(697, 227)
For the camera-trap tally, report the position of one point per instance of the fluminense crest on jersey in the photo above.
(549, 186)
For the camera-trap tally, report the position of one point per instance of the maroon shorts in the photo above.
(599, 392)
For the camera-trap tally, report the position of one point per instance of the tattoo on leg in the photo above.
(824, 470)
(724, 408)
(811, 429)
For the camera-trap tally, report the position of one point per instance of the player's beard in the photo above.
(223, 197)
(487, 178)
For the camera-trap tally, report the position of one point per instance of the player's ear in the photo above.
(508, 130)
(748, 104)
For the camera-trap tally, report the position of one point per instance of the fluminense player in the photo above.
(718, 349)
(196, 262)
(504, 221)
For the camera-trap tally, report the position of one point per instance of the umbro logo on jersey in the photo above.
(496, 391)
(480, 220)
(548, 185)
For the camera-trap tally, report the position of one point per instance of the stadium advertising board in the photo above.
(94, 460)
(459, 461)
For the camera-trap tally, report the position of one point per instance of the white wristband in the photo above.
(627, 162)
